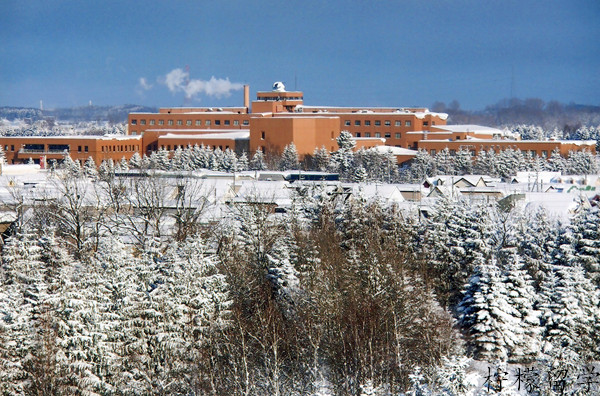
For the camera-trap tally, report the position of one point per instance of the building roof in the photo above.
(238, 134)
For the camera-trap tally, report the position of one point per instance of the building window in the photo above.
(227, 122)
(398, 123)
(152, 122)
(207, 122)
(407, 123)
(397, 136)
(357, 134)
(79, 149)
(170, 122)
(432, 122)
(168, 147)
(198, 122)
(133, 133)
(432, 152)
(161, 122)
(236, 122)
(388, 123)
(246, 122)
(347, 123)
(133, 122)
(188, 122)
(6, 147)
(367, 134)
(452, 152)
(377, 123)
(377, 134)
(357, 123)
(142, 122)
(425, 123)
(367, 123)
(262, 135)
(217, 122)
(545, 153)
(388, 135)
(179, 122)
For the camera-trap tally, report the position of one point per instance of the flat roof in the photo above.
(78, 137)
(230, 135)
(196, 130)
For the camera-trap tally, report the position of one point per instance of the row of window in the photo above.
(120, 148)
(189, 122)
(181, 147)
(387, 135)
(452, 152)
(388, 123)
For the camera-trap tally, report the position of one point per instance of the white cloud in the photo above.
(178, 80)
(143, 84)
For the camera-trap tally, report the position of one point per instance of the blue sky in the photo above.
(353, 53)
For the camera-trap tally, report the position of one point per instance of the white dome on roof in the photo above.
(278, 86)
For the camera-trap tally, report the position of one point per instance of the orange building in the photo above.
(275, 119)
(279, 117)
(19, 149)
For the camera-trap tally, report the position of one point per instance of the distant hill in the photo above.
(112, 114)
(533, 111)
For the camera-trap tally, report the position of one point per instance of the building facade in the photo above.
(275, 119)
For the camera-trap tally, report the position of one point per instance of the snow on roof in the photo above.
(239, 134)
(20, 169)
(471, 128)
(394, 150)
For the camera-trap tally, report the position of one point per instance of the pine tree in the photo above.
(258, 161)
(444, 163)
(321, 158)
(89, 168)
(582, 163)
(421, 167)
(486, 163)
(463, 162)
(160, 159)
(487, 315)
(289, 158)
(242, 163)
(556, 162)
(229, 161)
(135, 162)
(585, 239)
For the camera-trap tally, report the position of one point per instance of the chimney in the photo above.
(247, 97)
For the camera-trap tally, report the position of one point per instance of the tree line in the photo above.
(130, 286)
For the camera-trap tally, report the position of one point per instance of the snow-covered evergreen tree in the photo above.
(229, 161)
(463, 162)
(486, 163)
(585, 239)
(486, 313)
(135, 162)
(89, 168)
(444, 163)
(242, 163)
(421, 167)
(289, 158)
(582, 163)
(321, 158)
(556, 162)
(258, 161)
(160, 159)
